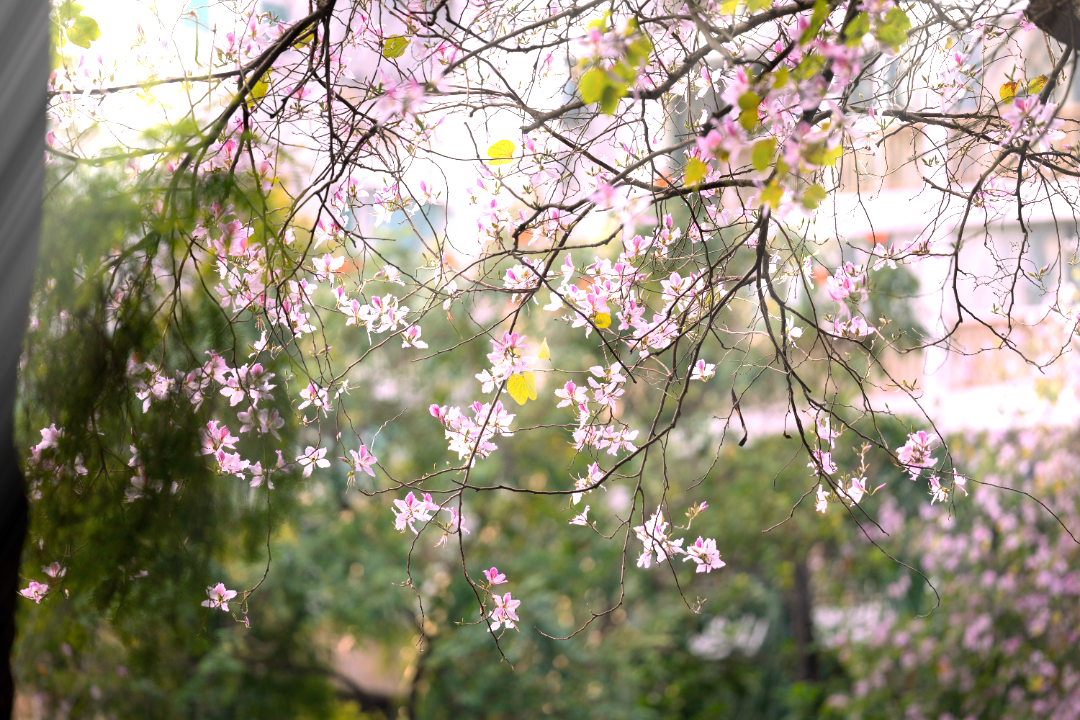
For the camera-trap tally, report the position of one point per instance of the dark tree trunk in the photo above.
(802, 625)
(24, 72)
(1058, 18)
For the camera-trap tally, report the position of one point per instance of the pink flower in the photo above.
(822, 461)
(504, 612)
(362, 460)
(54, 570)
(50, 436)
(915, 454)
(317, 396)
(234, 237)
(702, 370)
(857, 490)
(705, 554)
(217, 437)
(36, 591)
(605, 196)
(412, 510)
(657, 540)
(218, 597)
(494, 577)
(411, 338)
(938, 493)
(453, 527)
(571, 394)
(327, 265)
(586, 484)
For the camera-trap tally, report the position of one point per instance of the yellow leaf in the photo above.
(501, 152)
(592, 85)
(695, 171)
(771, 195)
(813, 196)
(305, 40)
(258, 92)
(530, 384)
(1008, 91)
(518, 390)
(394, 46)
(1035, 86)
(602, 320)
(545, 352)
(728, 7)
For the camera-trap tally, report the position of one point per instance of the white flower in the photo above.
(582, 518)
(705, 554)
(312, 457)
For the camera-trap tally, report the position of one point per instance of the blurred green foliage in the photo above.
(127, 637)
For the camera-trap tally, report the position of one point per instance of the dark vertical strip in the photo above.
(24, 72)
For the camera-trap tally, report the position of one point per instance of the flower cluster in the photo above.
(655, 535)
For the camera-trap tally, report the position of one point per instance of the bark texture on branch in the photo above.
(1060, 19)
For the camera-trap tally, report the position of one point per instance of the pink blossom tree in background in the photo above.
(667, 185)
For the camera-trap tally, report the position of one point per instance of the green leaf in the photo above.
(755, 5)
(638, 50)
(761, 155)
(625, 71)
(69, 10)
(695, 171)
(813, 196)
(893, 30)
(749, 100)
(821, 11)
(748, 104)
(609, 103)
(83, 32)
(394, 46)
(592, 85)
(818, 154)
(857, 28)
(501, 153)
(771, 195)
(830, 156)
(810, 65)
